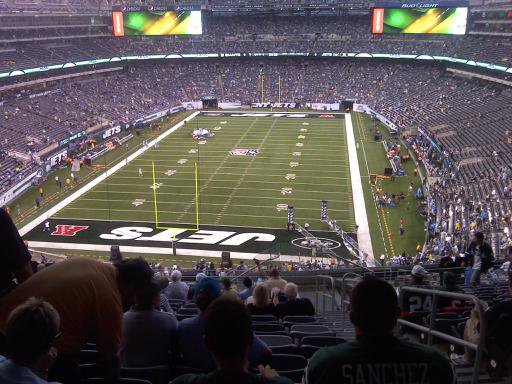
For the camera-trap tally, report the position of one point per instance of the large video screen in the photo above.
(448, 21)
(150, 23)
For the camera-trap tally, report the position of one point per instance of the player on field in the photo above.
(140, 172)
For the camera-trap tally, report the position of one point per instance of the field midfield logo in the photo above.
(217, 128)
(304, 123)
(68, 230)
(294, 164)
(286, 191)
(182, 161)
(193, 150)
(290, 176)
(299, 144)
(301, 137)
(244, 152)
(297, 154)
(303, 130)
(170, 172)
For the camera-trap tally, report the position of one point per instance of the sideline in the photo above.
(363, 230)
(90, 185)
(164, 251)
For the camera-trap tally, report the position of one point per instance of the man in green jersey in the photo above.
(376, 356)
(229, 342)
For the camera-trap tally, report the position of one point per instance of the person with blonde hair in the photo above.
(261, 304)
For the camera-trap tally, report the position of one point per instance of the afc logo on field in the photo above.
(68, 230)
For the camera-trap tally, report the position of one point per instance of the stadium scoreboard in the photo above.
(156, 21)
(449, 18)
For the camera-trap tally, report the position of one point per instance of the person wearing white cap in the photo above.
(418, 275)
(411, 302)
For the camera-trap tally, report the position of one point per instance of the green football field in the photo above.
(247, 175)
(299, 162)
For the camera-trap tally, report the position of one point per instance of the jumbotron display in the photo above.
(151, 23)
(448, 21)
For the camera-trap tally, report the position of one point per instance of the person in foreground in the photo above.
(377, 356)
(31, 331)
(90, 297)
(230, 354)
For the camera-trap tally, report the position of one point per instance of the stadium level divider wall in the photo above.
(118, 59)
(90, 185)
(157, 224)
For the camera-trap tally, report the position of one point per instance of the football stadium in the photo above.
(239, 191)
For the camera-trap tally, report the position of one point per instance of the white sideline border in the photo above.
(164, 251)
(363, 230)
(90, 185)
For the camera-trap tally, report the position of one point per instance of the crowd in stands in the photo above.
(82, 318)
(458, 114)
(43, 45)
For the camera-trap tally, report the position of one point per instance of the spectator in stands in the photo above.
(249, 288)
(374, 313)
(293, 306)
(191, 290)
(275, 280)
(449, 285)
(419, 276)
(229, 289)
(15, 261)
(163, 282)
(261, 304)
(31, 331)
(191, 331)
(148, 334)
(176, 289)
(230, 346)
(480, 257)
(90, 297)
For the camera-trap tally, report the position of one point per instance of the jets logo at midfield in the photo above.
(294, 164)
(170, 172)
(182, 161)
(286, 191)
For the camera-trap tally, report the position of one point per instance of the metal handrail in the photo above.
(345, 299)
(321, 293)
(478, 306)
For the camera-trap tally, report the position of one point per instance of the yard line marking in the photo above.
(202, 213)
(174, 184)
(249, 189)
(215, 195)
(203, 203)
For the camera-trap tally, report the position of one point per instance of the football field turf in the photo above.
(247, 174)
(229, 192)
(297, 162)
